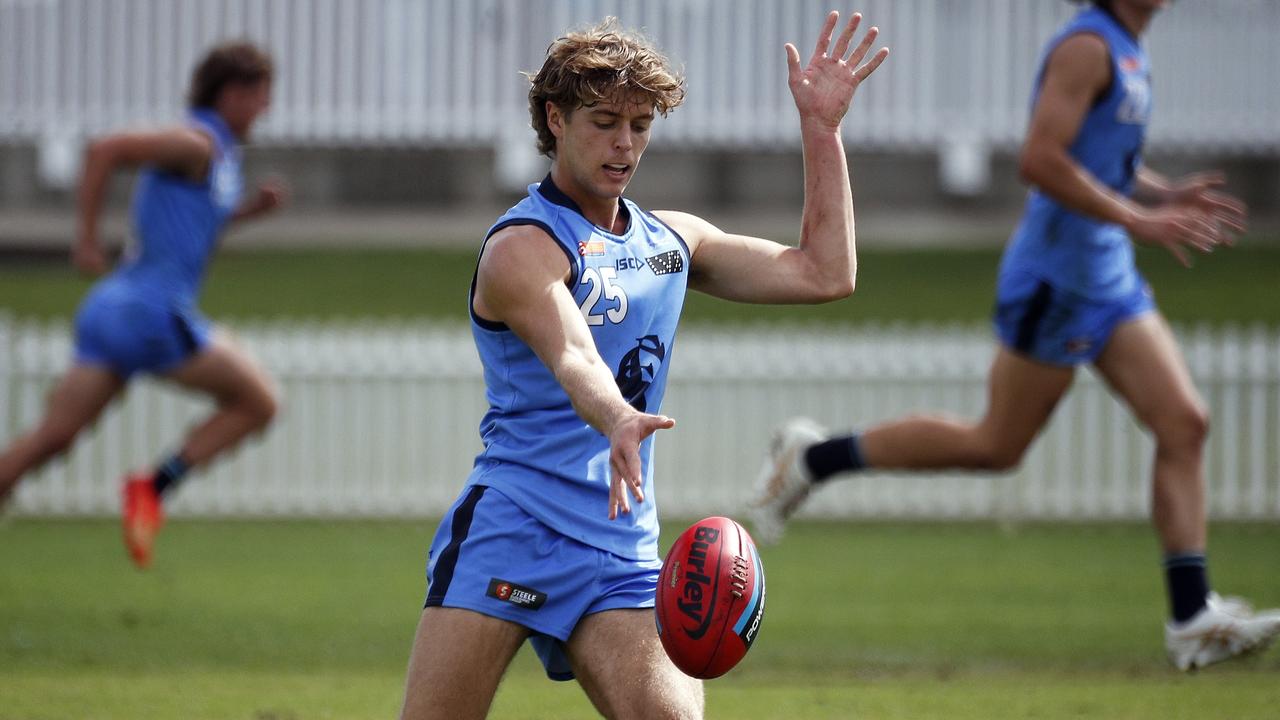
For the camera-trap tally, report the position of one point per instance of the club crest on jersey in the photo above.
(590, 247)
(638, 369)
(517, 595)
(666, 263)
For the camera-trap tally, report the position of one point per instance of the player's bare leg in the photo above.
(619, 661)
(246, 403)
(458, 659)
(1143, 364)
(76, 401)
(1021, 396)
(246, 400)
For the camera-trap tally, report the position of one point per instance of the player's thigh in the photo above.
(617, 657)
(1022, 394)
(224, 369)
(1144, 365)
(457, 661)
(79, 397)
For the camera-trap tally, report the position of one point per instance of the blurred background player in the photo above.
(143, 316)
(1069, 293)
(574, 310)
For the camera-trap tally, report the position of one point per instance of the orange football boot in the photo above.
(142, 516)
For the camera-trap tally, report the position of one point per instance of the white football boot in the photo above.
(1223, 629)
(784, 481)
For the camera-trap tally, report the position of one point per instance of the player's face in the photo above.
(600, 146)
(244, 104)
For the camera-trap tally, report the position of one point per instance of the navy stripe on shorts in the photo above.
(461, 525)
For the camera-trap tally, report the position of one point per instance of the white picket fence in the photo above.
(380, 419)
(447, 72)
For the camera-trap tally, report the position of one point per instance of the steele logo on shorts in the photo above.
(517, 595)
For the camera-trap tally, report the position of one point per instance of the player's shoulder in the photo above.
(691, 228)
(1082, 57)
(520, 247)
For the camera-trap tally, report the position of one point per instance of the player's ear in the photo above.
(556, 119)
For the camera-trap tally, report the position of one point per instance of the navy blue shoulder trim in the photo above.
(471, 295)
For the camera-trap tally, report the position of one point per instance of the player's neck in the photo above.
(601, 212)
(1135, 20)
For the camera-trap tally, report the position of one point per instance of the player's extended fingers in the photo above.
(860, 52)
(824, 37)
(1228, 210)
(793, 64)
(1178, 253)
(1206, 179)
(617, 495)
(846, 37)
(865, 71)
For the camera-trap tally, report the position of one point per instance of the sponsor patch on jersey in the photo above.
(591, 247)
(666, 263)
(517, 595)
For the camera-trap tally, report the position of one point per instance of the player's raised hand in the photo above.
(625, 472)
(824, 89)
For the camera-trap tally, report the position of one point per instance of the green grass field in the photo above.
(294, 620)
(931, 285)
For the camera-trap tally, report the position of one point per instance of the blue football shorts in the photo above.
(491, 557)
(1058, 327)
(130, 335)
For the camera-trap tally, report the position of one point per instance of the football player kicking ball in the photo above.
(574, 309)
(143, 317)
(1068, 293)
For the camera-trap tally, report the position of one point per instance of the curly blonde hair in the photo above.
(603, 62)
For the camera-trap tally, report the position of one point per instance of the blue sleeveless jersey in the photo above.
(177, 223)
(537, 450)
(1068, 250)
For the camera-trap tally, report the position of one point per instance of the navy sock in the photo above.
(837, 455)
(170, 473)
(1186, 577)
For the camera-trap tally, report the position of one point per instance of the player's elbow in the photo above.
(838, 287)
(1037, 164)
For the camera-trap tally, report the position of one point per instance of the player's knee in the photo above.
(265, 407)
(999, 456)
(1182, 430)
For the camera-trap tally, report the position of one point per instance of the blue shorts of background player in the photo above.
(1059, 327)
(127, 334)
(491, 557)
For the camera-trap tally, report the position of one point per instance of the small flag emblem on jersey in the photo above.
(591, 247)
(666, 263)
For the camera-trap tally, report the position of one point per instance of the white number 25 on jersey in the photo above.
(615, 300)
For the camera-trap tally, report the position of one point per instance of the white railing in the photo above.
(381, 420)
(446, 72)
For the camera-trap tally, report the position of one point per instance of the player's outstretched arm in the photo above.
(1075, 73)
(824, 266)
(182, 151)
(521, 282)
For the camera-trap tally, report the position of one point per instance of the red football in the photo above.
(710, 597)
